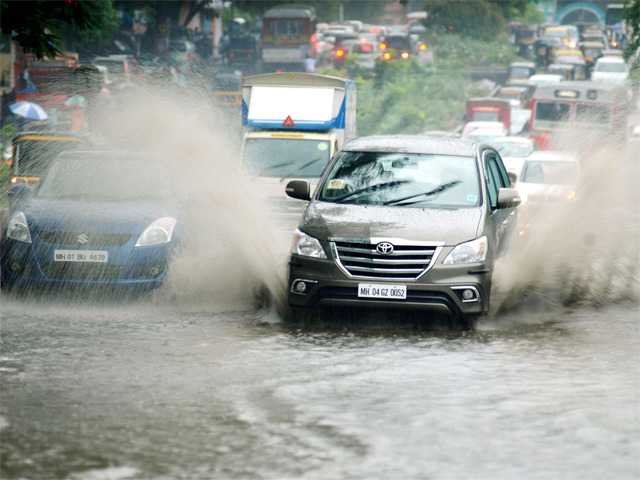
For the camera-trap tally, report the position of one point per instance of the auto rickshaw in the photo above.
(32, 152)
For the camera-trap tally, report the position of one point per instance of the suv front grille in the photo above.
(407, 262)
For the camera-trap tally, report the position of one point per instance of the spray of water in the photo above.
(584, 252)
(232, 247)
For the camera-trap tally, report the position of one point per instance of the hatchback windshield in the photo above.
(550, 173)
(283, 157)
(33, 156)
(105, 177)
(401, 179)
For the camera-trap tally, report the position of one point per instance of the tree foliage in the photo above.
(40, 25)
(483, 19)
(477, 18)
(632, 17)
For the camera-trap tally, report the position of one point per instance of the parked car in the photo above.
(403, 222)
(97, 219)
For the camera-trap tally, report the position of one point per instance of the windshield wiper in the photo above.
(301, 167)
(371, 188)
(435, 191)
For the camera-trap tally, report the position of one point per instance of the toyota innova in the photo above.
(410, 222)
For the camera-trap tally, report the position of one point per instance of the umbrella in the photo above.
(29, 110)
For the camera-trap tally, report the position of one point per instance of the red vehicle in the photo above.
(286, 36)
(488, 110)
(598, 111)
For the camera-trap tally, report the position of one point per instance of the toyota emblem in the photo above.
(83, 239)
(384, 248)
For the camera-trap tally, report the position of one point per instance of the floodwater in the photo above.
(148, 391)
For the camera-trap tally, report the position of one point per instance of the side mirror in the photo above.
(18, 193)
(508, 198)
(299, 189)
(513, 177)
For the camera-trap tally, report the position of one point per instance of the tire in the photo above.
(466, 322)
(303, 316)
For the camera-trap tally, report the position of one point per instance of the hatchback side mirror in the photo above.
(299, 189)
(508, 198)
(18, 193)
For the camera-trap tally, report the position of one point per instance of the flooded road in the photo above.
(146, 391)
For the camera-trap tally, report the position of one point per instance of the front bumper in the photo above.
(439, 290)
(24, 265)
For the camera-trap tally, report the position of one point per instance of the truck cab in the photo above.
(294, 123)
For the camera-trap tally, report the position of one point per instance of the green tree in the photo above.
(476, 18)
(632, 17)
(40, 26)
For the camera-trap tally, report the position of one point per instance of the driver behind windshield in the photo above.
(392, 179)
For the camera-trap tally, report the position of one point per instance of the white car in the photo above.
(484, 132)
(548, 176)
(541, 79)
(514, 151)
(611, 70)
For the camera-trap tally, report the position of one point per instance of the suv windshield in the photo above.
(403, 179)
(105, 177)
(284, 157)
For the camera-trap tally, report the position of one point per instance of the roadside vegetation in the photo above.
(6, 134)
(408, 97)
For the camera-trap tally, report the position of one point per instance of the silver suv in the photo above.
(403, 222)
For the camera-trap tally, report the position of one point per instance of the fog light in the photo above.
(468, 294)
(15, 266)
(300, 287)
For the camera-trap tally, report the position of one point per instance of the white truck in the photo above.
(294, 123)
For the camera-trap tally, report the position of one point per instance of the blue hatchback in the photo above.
(96, 219)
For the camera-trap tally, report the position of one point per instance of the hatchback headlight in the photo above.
(474, 251)
(307, 246)
(158, 233)
(18, 228)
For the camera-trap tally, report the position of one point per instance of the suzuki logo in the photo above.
(384, 248)
(83, 239)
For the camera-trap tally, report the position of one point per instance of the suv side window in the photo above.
(493, 184)
(504, 175)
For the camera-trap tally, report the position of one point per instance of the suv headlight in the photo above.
(307, 246)
(158, 233)
(474, 251)
(18, 228)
